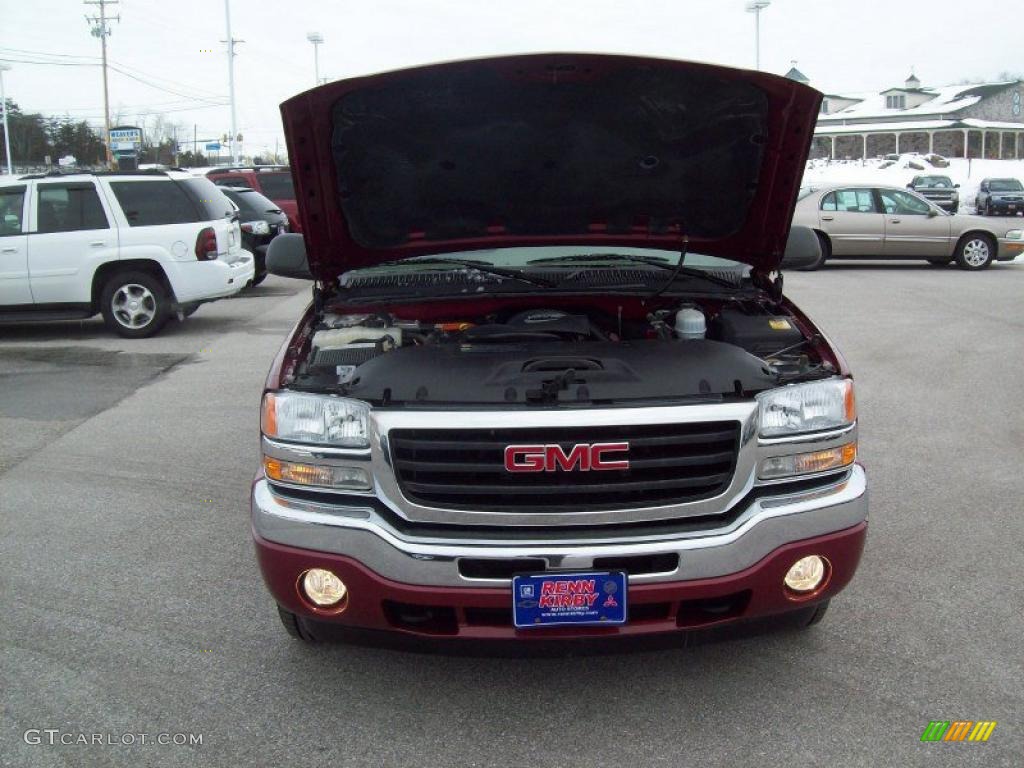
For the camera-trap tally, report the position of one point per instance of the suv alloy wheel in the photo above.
(134, 304)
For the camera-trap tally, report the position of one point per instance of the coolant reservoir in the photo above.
(690, 323)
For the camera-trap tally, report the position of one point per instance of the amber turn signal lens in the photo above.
(808, 463)
(301, 474)
(347, 478)
(850, 403)
(268, 418)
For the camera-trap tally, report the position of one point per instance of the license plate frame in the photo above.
(568, 601)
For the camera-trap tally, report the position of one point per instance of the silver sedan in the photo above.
(865, 221)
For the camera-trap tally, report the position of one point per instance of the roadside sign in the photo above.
(213, 146)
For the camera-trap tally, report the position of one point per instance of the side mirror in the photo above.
(956, 186)
(286, 257)
(803, 249)
(932, 213)
(910, 186)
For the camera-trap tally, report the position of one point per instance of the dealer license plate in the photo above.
(556, 599)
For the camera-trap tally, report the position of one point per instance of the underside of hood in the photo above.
(548, 149)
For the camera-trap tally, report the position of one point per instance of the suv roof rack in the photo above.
(56, 173)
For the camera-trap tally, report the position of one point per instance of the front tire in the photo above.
(135, 304)
(819, 614)
(826, 251)
(293, 626)
(975, 252)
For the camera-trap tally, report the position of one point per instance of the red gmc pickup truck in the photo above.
(548, 386)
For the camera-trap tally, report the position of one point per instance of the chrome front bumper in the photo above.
(361, 533)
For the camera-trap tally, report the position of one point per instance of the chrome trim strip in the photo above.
(808, 437)
(360, 533)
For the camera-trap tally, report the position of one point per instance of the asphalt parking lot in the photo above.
(132, 602)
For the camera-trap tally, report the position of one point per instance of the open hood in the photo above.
(546, 149)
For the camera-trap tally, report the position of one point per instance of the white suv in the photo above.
(137, 247)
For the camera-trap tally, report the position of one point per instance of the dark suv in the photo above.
(1000, 197)
(938, 189)
(273, 181)
(260, 220)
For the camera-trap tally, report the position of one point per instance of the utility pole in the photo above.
(7, 132)
(101, 30)
(231, 80)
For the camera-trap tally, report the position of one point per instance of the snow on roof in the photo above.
(945, 100)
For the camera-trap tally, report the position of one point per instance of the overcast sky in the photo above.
(841, 45)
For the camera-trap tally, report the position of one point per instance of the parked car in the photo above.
(860, 221)
(260, 220)
(1000, 197)
(542, 383)
(938, 189)
(272, 181)
(136, 247)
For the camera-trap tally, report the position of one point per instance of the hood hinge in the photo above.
(318, 298)
(769, 282)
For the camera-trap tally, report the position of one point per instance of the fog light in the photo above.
(323, 588)
(806, 574)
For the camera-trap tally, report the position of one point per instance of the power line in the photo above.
(133, 72)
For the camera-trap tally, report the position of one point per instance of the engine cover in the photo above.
(560, 372)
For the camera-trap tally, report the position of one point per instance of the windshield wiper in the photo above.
(479, 266)
(636, 259)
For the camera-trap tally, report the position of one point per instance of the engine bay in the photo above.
(504, 353)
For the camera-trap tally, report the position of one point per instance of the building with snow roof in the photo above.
(979, 120)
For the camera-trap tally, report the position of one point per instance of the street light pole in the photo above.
(7, 132)
(231, 82)
(755, 7)
(316, 39)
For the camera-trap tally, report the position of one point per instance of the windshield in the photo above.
(1005, 185)
(933, 182)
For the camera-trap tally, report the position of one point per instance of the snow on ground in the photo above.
(967, 173)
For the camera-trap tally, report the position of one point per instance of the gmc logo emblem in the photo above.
(551, 458)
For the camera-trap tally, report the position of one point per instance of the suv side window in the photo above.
(901, 203)
(855, 201)
(12, 210)
(828, 202)
(151, 203)
(69, 208)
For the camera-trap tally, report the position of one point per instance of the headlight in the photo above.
(809, 407)
(303, 418)
(1015, 234)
